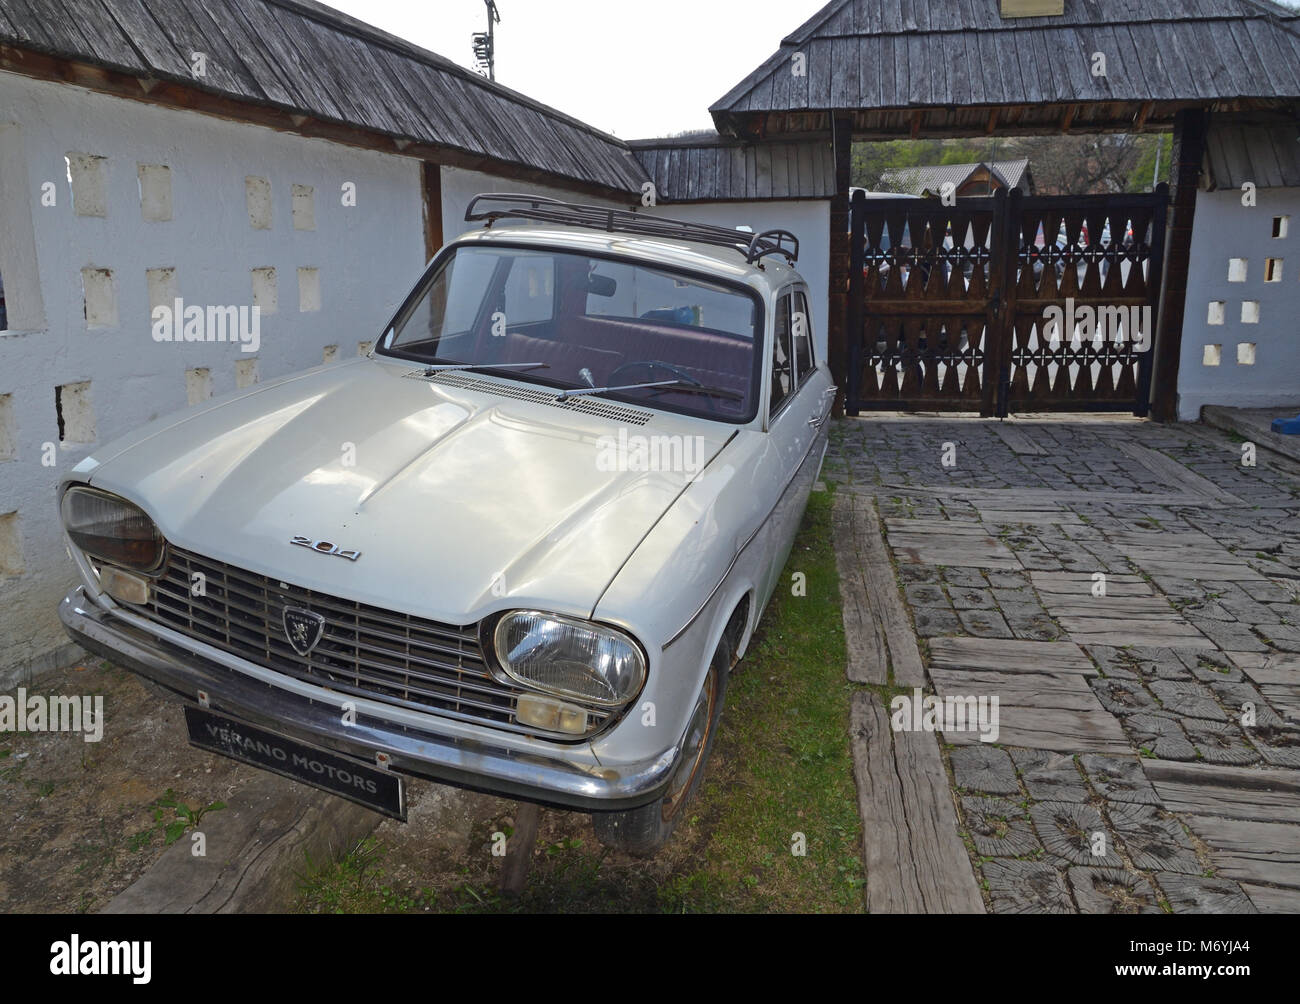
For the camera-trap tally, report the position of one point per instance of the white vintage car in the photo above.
(517, 548)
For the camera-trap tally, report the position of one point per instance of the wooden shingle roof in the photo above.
(712, 168)
(1264, 155)
(874, 56)
(303, 58)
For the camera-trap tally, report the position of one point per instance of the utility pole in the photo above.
(485, 42)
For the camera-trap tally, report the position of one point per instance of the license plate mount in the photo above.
(340, 775)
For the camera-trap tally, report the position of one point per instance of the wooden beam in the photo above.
(1185, 175)
(1141, 123)
(519, 851)
(838, 280)
(993, 122)
(1068, 119)
(917, 117)
(431, 178)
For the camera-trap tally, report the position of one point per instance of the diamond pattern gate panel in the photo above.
(1003, 304)
(1082, 309)
(923, 297)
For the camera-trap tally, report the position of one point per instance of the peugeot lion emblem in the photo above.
(303, 629)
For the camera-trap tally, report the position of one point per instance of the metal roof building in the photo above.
(931, 179)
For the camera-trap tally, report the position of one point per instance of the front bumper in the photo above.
(542, 776)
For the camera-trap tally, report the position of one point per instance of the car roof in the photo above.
(769, 274)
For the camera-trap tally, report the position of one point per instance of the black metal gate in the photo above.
(1004, 304)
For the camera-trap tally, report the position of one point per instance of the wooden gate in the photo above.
(1004, 304)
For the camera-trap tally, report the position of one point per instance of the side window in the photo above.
(782, 357)
(803, 340)
(530, 290)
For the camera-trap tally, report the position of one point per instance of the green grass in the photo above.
(780, 767)
(785, 738)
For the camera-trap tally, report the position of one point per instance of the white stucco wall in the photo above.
(1225, 229)
(366, 257)
(808, 220)
(459, 186)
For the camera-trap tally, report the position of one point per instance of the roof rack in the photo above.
(755, 247)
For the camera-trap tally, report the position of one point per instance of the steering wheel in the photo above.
(654, 364)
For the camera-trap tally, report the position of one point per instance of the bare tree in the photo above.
(1080, 165)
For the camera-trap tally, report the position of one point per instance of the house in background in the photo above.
(967, 180)
(269, 153)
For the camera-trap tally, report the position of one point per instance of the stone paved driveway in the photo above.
(1131, 593)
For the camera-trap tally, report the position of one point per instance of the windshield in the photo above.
(593, 322)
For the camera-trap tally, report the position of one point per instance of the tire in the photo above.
(644, 830)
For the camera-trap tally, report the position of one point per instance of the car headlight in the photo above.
(570, 658)
(111, 529)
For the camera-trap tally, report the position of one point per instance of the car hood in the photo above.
(460, 501)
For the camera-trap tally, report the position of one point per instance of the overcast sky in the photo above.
(636, 69)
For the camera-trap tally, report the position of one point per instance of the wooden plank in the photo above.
(914, 859)
(1129, 607)
(1000, 655)
(1029, 517)
(1152, 633)
(906, 526)
(1251, 851)
(864, 635)
(1021, 443)
(1233, 792)
(892, 886)
(256, 850)
(957, 545)
(1074, 584)
(1062, 691)
(1278, 670)
(1057, 729)
(1010, 498)
(1152, 564)
(877, 608)
(1269, 900)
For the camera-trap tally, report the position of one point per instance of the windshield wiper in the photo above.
(443, 367)
(681, 386)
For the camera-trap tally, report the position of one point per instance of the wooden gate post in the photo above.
(1189, 153)
(838, 298)
(1005, 256)
(1146, 362)
(854, 322)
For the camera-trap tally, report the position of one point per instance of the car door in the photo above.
(798, 407)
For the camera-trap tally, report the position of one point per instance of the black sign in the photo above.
(339, 775)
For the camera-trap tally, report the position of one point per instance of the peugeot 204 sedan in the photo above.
(519, 547)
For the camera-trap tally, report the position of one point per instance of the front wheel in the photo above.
(644, 830)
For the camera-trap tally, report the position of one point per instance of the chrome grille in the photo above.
(393, 658)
